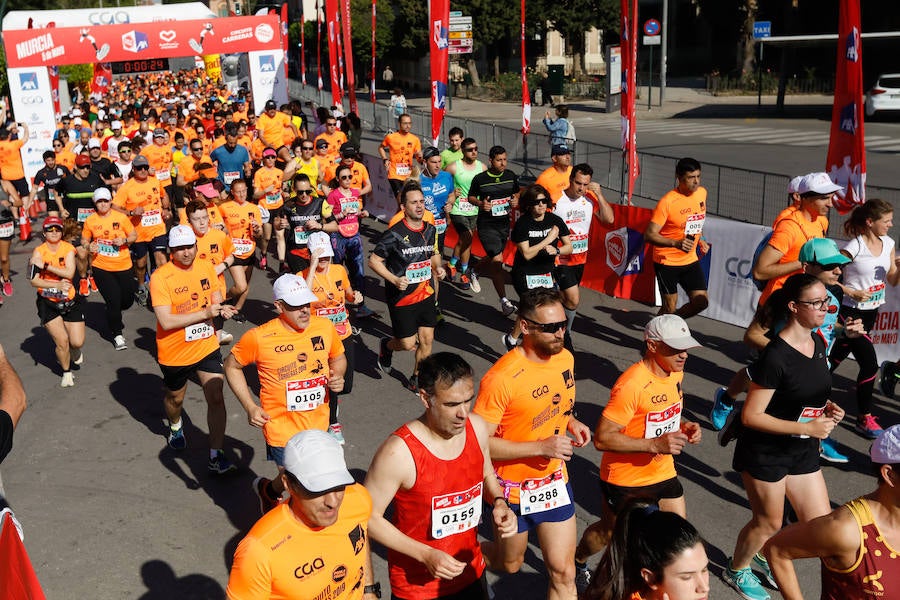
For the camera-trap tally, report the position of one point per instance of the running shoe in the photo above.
(93, 284)
(509, 342)
(385, 355)
(473, 281)
(84, 288)
(225, 338)
(868, 427)
(337, 432)
(463, 280)
(78, 360)
(889, 377)
(412, 383)
(7, 288)
(219, 465)
(730, 431)
(745, 582)
(828, 451)
(284, 268)
(239, 317)
(119, 342)
(720, 411)
(141, 295)
(363, 312)
(266, 502)
(176, 439)
(763, 566)
(263, 263)
(68, 380)
(582, 578)
(506, 307)
(451, 271)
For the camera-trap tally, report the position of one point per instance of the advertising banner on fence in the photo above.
(167, 39)
(32, 104)
(619, 262)
(886, 333)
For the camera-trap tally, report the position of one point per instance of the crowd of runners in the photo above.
(175, 200)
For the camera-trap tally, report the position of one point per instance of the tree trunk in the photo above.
(749, 57)
(473, 72)
(577, 64)
(496, 66)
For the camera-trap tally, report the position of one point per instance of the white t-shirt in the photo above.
(577, 214)
(867, 271)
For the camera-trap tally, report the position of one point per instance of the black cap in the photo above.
(348, 149)
(559, 150)
(321, 143)
(270, 105)
(430, 152)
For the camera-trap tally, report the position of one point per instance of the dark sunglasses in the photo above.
(471, 149)
(141, 168)
(53, 228)
(304, 192)
(346, 177)
(547, 327)
(332, 123)
(542, 201)
(830, 266)
(57, 145)
(196, 148)
(307, 147)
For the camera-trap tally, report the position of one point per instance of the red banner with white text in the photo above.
(526, 96)
(629, 92)
(846, 164)
(130, 41)
(440, 57)
(334, 53)
(372, 76)
(348, 55)
(320, 7)
(284, 37)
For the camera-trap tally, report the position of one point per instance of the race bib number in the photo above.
(659, 423)
(455, 513)
(335, 314)
(694, 225)
(274, 198)
(54, 294)
(305, 394)
(466, 206)
(84, 213)
(500, 207)
(242, 246)
(539, 281)
(876, 298)
(198, 331)
(403, 170)
(440, 225)
(7, 229)
(579, 243)
(809, 413)
(151, 217)
(350, 207)
(163, 175)
(418, 271)
(106, 248)
(229, 176)
(546, 493)
(301, 235)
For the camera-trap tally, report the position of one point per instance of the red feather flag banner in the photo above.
(319, 19)
(440, 63)
(846, 163)
(334, 52)
(526, 96)
(372, 77)
(629, 91)
(348, 55)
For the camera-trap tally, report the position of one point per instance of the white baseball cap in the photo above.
(886, 448)
(794, 185)
(181, 235)
(292, 289)
(820, 183)
(94, 143)
(116, 125)
(102, 193)
(320, 239)
(316, 459)
(670, 330)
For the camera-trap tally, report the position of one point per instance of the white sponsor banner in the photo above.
(267, 78)
(886, 333)
(114, 15)
(32, 104)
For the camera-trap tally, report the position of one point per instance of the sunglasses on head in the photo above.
(547, 327)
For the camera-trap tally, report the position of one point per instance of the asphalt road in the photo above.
(110, 512)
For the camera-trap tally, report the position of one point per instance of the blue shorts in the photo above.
(158, 244)
(556, 515)
(275, 453)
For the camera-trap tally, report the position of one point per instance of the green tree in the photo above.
(572, 19)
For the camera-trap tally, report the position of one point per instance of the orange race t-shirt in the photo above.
(185, 291)
(679, 215)
(160, 159)
(646, 406)
(271, 129)
(332, 288)
(790, 231)
(239, 220)
(147, 194)
(265, 177)
(104, 228)
(293, 374)
(11, 160)
(554, 182)
(57, 259)
(188, 171)
(401, 151)
(215, 246)
(528, 401)
(335, 141)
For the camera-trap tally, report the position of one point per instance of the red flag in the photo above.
(17, 576)
(372, 78)
(302, 50)
(334, 53)
(101, 79)
(846, 164)
(526, 97)
(348, 55)
(440, 57)
(284, 37)
(319, 45)
(629, 88)
(54, 87)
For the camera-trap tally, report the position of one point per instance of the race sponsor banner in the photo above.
(372, 76)
(31, 97)
(629, 92)
(334, 54)
(110, 15)
(267, 77)
(166, 39)
(212, 63)
(526, 97)
(886, 333)
(101, 79)
(846, 164)
(348, 55)
(439, 55)
(619, 261)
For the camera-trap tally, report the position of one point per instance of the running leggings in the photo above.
(117, 289)
(864, 353)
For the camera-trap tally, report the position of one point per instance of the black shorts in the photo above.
(568, 276)
(295, 262)
(464, 223)
(70, 312)
(158, 244)
(689, 277)
(406, 320)
(616, 496)
(245, 262)
(396, 185)
(176, 378)
(21, 186)
(520, 282)
(493, 237)
(771, 466)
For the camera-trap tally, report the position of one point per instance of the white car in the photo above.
(884, 95)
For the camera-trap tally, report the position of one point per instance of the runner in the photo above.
(398, 150)
(453, 152)
(437, 471)
(440, 195)
(159, 156)
(267, 193)
(334, 138)
(464, 215)
(232, 160)
(640, 431)
(107, 235)
(303, 214)
(298, 357)
(244, 224)
(315, 544)
(47, 180)
(675, 231)
(855, 543)
(527, 399)
(274, 127)
(76, 203)
(496, 193)
(187, 296)
(555, 178)
(59, 308)
(8, 200)
(406, 257)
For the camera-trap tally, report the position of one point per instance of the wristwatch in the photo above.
(375, 588)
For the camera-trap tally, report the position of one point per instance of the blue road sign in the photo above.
(762, 29)
(651, 27)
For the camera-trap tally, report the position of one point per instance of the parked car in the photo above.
(884, 95)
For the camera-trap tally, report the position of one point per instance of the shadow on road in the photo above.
(163, 584)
